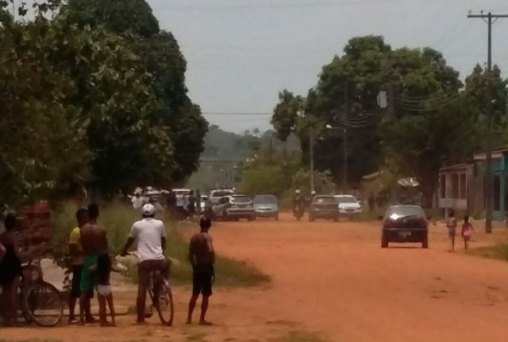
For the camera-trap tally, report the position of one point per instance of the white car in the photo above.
(217, 194)
(348, 205)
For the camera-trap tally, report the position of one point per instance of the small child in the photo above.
(104, 292)
(467, 231)
(451, 224)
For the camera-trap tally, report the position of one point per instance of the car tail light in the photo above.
(422, 222)
(387, 223)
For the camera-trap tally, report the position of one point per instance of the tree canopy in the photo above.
(82, 104)
(431, 118)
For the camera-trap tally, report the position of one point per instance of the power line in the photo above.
(273, 6)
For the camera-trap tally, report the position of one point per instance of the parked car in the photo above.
(349, 205)
(324, 207)
(234, 207)
(405, 223)
(266, 206)
(216, 194)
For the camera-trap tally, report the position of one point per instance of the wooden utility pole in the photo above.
(490, 19)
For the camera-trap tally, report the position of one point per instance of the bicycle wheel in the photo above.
(163, 300)
(43, 304)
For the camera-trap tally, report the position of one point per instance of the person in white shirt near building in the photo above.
(150, 234)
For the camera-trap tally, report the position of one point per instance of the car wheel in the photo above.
(277, 217)
(251, 218)
(425, 242)
(384, 242)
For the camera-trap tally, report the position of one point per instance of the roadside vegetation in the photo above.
(498, 251)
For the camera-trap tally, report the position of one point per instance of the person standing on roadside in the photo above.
(198, 201)
(467, 231)
(94, 243)
(451, 225)
(10, 270)
(191, 208)
(202, 259)
(137, 201)
(76, 252)
(151, 236)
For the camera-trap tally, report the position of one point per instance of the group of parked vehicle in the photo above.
(329, 207)
(225, 204)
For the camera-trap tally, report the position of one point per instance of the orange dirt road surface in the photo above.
(331, 281)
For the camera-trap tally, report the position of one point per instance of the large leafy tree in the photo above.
(78, 108)
(40, 152)
(120, 16)
(160, 54)
(411, 134)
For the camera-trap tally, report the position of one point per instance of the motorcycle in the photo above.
(298, 211)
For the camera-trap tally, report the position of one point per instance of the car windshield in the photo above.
(404, 211)
(325, 200)
(346, 199)
(265, 199)
(241, 199)
(221, 193)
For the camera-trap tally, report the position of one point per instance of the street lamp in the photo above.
(344, 156)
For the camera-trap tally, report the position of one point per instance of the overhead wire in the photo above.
(270, 6)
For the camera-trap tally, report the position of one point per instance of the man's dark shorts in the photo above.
(202, 280)
(76, 281)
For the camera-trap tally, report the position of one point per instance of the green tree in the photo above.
(285, 114)
(118, 16)
(40, 154)
(160, 54)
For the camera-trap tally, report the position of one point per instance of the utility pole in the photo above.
(490, 19)
(311, 156)
(345, 179)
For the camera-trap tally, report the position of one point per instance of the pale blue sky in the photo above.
(241, 53)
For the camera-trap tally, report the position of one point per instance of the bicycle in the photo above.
(41, 302)
(161, 296)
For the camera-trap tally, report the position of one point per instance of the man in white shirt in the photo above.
(151, 236)
(137, 201)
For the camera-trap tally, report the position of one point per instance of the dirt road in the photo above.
(333, 282)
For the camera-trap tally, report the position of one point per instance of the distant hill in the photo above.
(224, 152)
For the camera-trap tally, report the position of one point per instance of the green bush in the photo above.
(498, 251)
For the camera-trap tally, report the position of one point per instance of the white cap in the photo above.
(297, 191)
(148, 209)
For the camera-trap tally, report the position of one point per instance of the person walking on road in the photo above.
(151, 236)
(467, 231)
(451, 225)
(202, 259)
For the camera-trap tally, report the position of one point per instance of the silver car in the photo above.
(266, 206)
(234, 207)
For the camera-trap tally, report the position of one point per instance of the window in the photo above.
(463, 186)
(455, 186)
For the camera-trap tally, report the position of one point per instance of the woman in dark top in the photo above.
(10, 270)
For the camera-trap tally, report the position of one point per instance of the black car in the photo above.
(324, 207)
(405, 223)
